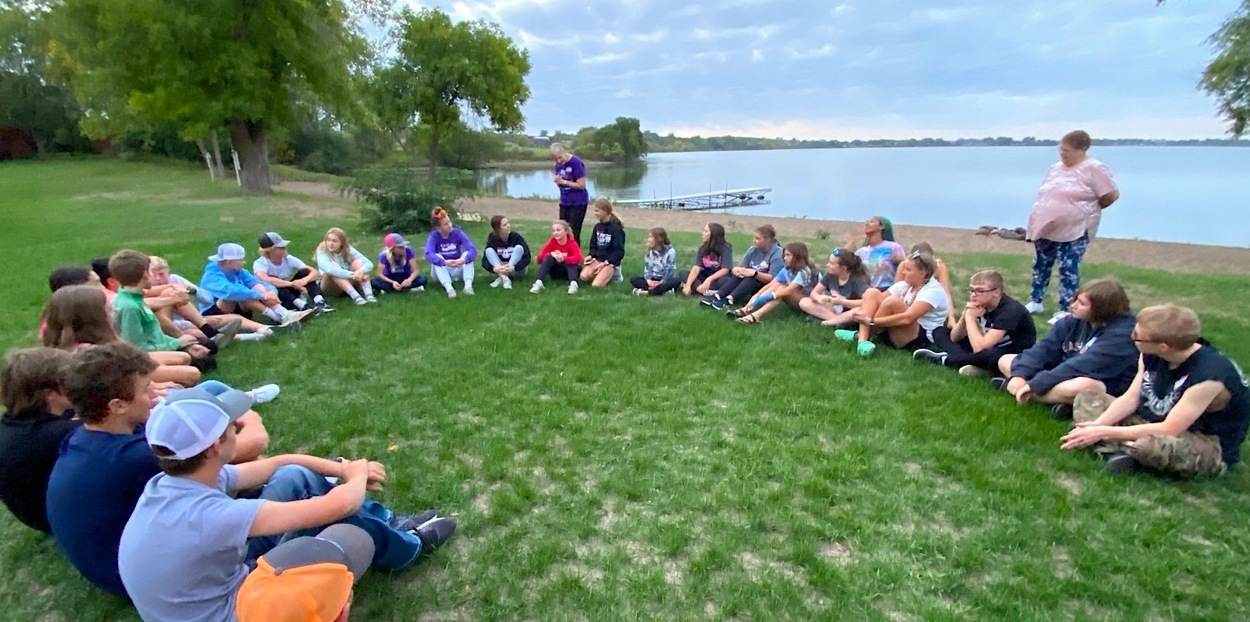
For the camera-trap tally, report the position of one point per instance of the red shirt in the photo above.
(572, 251)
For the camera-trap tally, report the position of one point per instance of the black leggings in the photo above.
(288, 295)
(550, 263)
(959, 353)
(574, 215)
(738, 288)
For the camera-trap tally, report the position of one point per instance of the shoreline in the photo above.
(1169, 256)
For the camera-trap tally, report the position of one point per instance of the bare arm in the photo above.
(1106, 200)
(272, 280)
(912, 314)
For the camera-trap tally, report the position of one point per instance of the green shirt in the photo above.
(137, 325)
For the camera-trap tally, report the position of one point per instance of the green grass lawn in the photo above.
(616, 458)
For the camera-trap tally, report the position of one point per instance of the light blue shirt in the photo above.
(182, 552)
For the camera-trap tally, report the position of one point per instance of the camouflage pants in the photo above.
(1188, 455)
(1069, 255)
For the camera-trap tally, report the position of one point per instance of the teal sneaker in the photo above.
(845, 335)
(866, 348)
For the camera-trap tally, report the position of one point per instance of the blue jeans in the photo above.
(393, 549)
(518, 254)
(1069, 255)
(384, 286)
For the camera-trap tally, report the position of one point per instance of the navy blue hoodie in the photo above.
(1075, 349)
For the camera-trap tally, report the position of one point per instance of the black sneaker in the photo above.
(321, 308)
(929, 356)
(707, 300)
(999, 383)
(1062, 412)
(435, 532)
(1123, 464)
(718, 304)
(412, 521)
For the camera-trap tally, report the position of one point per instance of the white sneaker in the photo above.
(1059, 315)
(264, 393)
(419, 289)
(972, 371)
(370, 299)
(1034, 307)
(536, 287)
(468, 291)
(573, 287)
(451, 293)
(497, 282)
(360, 302)
(294, 317)
(507, 282)
(637, 291)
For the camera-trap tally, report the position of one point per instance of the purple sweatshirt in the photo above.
(439, 249)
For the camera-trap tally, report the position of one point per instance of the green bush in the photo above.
(398, 198)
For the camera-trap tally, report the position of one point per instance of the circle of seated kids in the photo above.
(158, 492)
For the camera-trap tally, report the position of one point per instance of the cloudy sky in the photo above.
(850, 69)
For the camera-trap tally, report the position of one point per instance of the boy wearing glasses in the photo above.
(1186, 412)
(993, 324)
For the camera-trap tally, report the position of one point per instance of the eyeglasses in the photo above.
(1137, 339)
(978, 291)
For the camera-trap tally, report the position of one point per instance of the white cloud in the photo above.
(821, 52)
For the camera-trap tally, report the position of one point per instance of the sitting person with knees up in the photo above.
(165, 283)
(298, 284)
(38, 416)
(659, 265)
(840, 290)
(711, 263)
(759, 265)
(137, 324)
(561, 252)
(397, 267)
(344, 270)
(232, 289)
(607, 246)
(190, 544)
(881, 254)
(450, 253)
(907, 313)
(791, 286)
(993, 325)
(103, 465)
(507, 255)
(1184, 415)
(1090, 350)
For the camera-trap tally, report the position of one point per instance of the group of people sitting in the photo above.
(153, 484)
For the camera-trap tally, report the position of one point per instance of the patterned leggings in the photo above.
(1069, 255)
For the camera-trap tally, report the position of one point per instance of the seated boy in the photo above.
(165, 284)
(102, 466)
(307, 578)
(1090, 350)
(232, 289)
(137, 324)
(289, 275)
(37, 418)
(189, 546)
(993, 325)
(1186, 412)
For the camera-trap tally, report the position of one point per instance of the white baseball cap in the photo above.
(191, 420)
(228, 251)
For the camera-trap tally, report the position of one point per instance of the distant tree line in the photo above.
(671, 143)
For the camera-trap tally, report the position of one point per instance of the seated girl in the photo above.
(908, 312)
(344, 270)
(77, 318)
(450, 253)
(659, 265)
(607, 246)
(289, 275)
(711, 263)
(507, 255)
(840, 291)
(561, 252)
(397, 267)
(791, 285)
(942, 275)
(759, 265)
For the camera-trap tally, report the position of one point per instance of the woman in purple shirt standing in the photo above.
(570, 177)
(450, 253)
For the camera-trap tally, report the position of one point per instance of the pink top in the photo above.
(1067, 203)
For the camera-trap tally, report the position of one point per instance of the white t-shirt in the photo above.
(932, 293)
(289, 266)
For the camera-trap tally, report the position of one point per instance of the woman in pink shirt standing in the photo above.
(1065, 217)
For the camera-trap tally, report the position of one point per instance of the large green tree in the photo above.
(209, 63)
(1228, 76)
(29, 100)
(443, 69)
(620, 141)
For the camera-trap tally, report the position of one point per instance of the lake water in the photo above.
(1177, 194)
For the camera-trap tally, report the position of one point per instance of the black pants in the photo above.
(680, 281)
(959, 353)
(288, 295)
(574, 215)
(740, 289)
(550, 263)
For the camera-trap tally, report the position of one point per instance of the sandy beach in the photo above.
(1194, 258)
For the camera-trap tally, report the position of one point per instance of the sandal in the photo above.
(749, 318)
(738, 313)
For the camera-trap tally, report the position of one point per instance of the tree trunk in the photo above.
(250, 141)
(434, 138)
(208, 160)
(218, 167)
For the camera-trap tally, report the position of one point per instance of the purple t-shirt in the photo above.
(439, 249)
(396, 271)
(572, 170)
